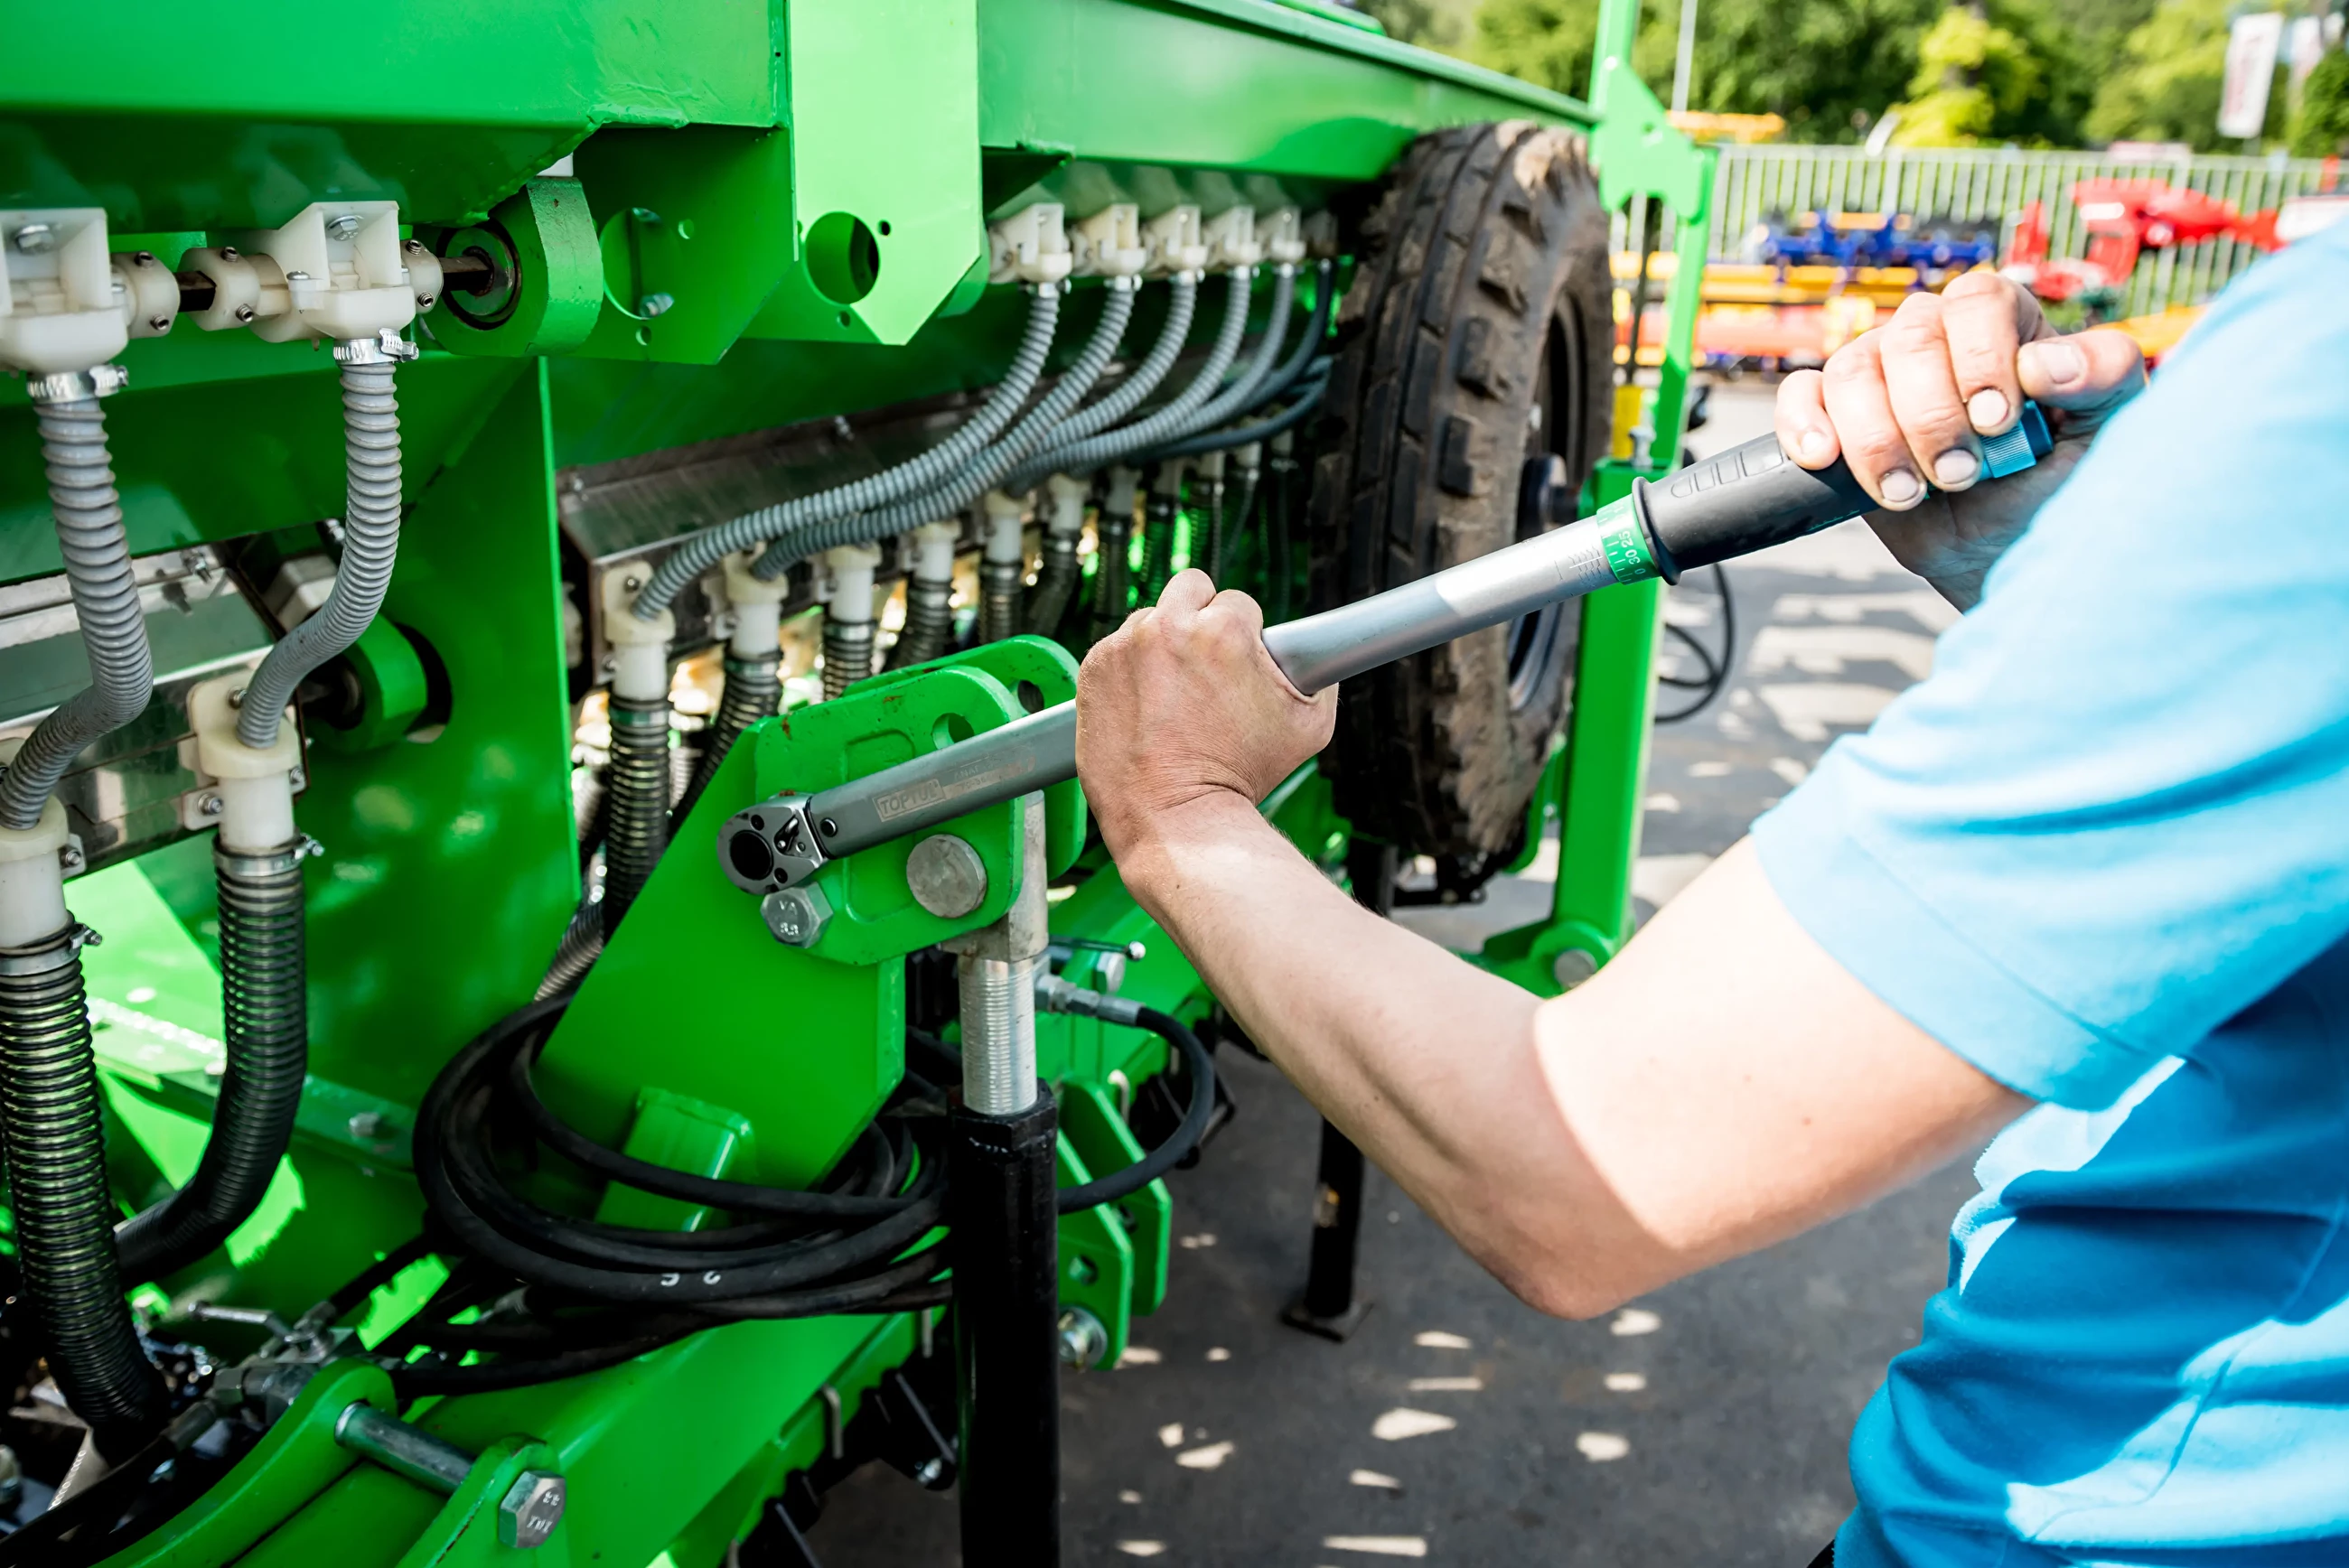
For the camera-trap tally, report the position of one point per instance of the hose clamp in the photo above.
(55, 953)
(624, 714)
(274, 862)
(385, 348)
(77, 385)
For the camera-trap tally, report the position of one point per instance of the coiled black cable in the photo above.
(1717, 667)
(266, 1016)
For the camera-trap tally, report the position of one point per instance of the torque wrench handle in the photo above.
(1733, 503)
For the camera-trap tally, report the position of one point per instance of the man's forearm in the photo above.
(1425, 1060)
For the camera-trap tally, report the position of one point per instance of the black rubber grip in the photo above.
(1743, 499)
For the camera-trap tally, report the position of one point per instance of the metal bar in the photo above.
(410, 1451)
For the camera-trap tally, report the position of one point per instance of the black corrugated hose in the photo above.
(57, 1187)
(636, 792)
(265, 1017)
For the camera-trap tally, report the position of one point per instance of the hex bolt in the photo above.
(34, 239)
(654, 304)
(207, 804)
(342, 227)
(796, 915)
(532, 1507)
(1083, 1340)
(945, 876)
(368, 1126)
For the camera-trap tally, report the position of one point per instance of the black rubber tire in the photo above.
(1475, 337)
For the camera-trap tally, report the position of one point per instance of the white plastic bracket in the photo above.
(639, 647)
(1067, 514)
(1230, 238)
(1109, 244)
(1031, 246)
(1281, 232)
(1173, 239)
(335, 271)
(60, 309)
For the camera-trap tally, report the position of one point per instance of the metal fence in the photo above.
(1755, 183)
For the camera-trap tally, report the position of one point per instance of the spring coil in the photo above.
(637, 787)
(753, 691)
(1056, 579)
(930, 622)
(266, 1016)
(702, 550)
(847, 654)
(959, 490)
(370, 547)
(57, 1188)
(1111, 568)
(1209, 555)
(106, 600)
(1157, 546)
(1001, 585)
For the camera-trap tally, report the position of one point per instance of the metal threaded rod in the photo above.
(930, 622)
(754, 690)
(1000, 585)
(370, 548)
(57, 1191)
(265, 1017)
(998, 1033)
(638, 786)
(847, 654)
(106, 603)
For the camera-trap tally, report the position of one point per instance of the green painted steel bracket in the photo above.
(1096, 1131)
(682, 1134)
(1097, 1261)
(296, 1460)
(392, 691)
(545, 235)
(465, 1532)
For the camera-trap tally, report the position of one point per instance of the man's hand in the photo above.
(1907, 405)
(1182, 704)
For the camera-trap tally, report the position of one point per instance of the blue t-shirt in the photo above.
(2103, 854)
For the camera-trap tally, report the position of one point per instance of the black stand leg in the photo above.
(1329, 1305)
(1007, 1259)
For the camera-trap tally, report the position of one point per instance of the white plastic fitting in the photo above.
(1319, 232)
(1109, 244)
(1211, 466)
(255, 784)
(1117, 500)
(1031, 246)
(333, 271)
(425, 277)
(934, 549)
(850, 569)
(33, 871)
(639, 648)
(1006, 527)
(1173, 240)
(757, 607)
(1169, 480)
(1065, 515)
(1281, 232)
(1230, 238)
(60, 309)
(149, 292)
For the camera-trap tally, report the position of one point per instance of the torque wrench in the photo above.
(1733, 503)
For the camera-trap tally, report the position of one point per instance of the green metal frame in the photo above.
(812, 211)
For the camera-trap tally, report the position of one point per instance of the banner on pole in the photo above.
(2252, 45)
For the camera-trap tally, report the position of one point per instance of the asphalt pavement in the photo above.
(1702, 1426)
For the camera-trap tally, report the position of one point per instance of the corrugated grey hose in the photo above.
(1308, 397)
(106, 602)
(1300, 358)
(370, 546)
(1247, 390)
(265, 1017)
(753, 691)
(1074, 457)
(63, 1212)
(698, 554)
(959, 489)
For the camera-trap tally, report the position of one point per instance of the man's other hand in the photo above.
(1182, 704)
(1907, 405)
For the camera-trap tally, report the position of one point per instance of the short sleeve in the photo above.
(2117, 812)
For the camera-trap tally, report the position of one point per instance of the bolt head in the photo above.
(230, 253)
(1083, 1340)
(342, 227)
(207, 804)
(532, 1509)
(425, 301)
(796, 915)
(368, 1126)
(34, 239)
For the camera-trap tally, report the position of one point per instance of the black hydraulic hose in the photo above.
(698, 554)
(265, 1017)
(370, 545)
(63, 1223)
(636, 795)
(930, 622)
(1199, 1068)
(106, 603)
(1056, 583)
(75, 1531)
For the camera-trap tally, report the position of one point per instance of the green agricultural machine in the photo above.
(555, 993)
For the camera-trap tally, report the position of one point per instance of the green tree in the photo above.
(2320, 126)
(2168, 81)
(2007, 70)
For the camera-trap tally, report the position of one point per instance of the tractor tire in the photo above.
(1475, 336)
